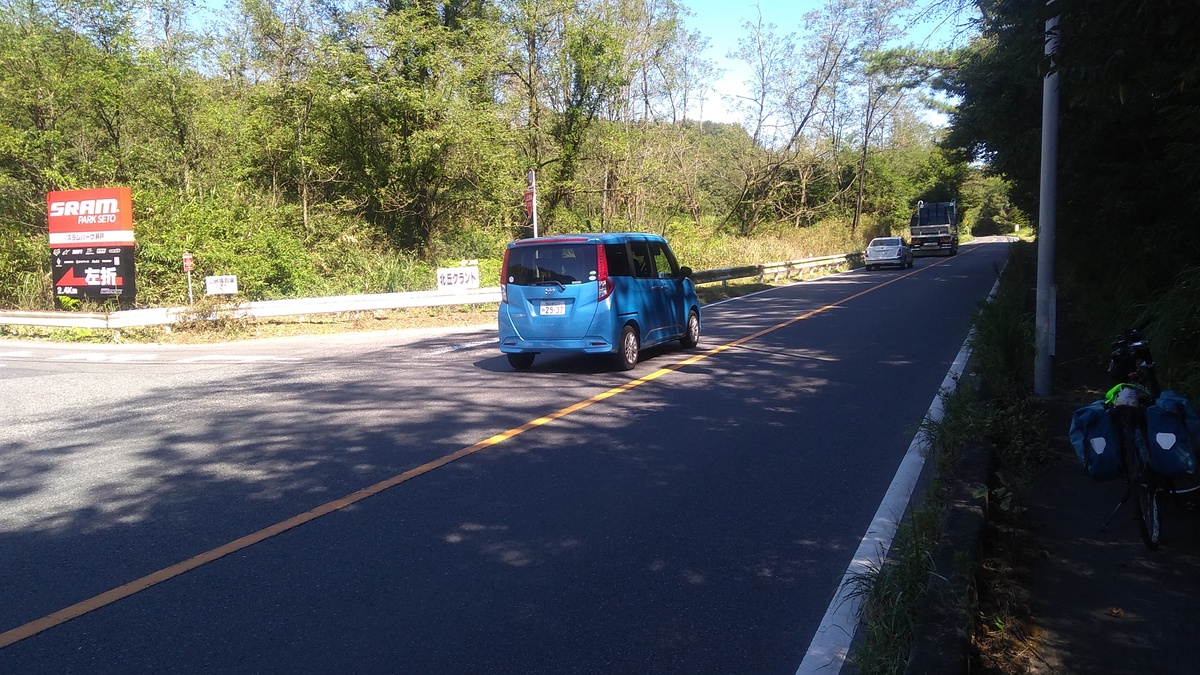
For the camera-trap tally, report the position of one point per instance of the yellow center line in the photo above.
(138, 585)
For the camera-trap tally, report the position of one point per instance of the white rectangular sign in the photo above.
(456, 278)
(221, 285)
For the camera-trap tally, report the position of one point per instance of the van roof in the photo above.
(595, 237)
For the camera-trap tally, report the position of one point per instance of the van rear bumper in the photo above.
(594, 344)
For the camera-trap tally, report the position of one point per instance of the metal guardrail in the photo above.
(786, 268)
(135, 318)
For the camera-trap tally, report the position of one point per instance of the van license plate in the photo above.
(553, 308)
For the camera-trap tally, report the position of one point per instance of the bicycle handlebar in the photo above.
(1131, 360)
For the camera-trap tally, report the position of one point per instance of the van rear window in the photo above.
(552, 263)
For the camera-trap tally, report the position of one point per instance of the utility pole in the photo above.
(1047, 214)
(531, 198)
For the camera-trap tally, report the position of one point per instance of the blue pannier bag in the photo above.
(1095, 441)
(1173, 432)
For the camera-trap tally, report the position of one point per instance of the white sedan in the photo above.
(888, 251)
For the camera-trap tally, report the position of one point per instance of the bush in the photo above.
(1174, 332)
(24, 270)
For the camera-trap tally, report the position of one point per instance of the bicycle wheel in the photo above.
(1144, 484)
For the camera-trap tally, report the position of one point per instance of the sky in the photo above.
(721, 22)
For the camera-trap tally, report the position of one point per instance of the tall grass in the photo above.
(893, 594)
(395, 273)
(890, 596)
(33, 291)
(704, 248)
(1002, 344)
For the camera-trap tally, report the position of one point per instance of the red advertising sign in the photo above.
(102, 217)
(91, 243)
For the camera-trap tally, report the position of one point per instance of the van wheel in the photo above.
(520, 361)
(691, 334)
(627, 354)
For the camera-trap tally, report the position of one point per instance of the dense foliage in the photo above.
(316, 147)
(1128, 171)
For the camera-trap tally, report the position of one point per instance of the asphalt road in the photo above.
(405, 502)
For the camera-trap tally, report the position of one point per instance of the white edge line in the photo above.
(831, 643)
(236, 359)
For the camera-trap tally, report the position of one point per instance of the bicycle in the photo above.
(1132, 366)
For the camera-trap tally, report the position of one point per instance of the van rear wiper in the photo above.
(547, 282)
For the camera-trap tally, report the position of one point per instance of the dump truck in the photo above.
(933, 229)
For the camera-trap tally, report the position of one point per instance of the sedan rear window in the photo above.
(552, 263)
(890, 241)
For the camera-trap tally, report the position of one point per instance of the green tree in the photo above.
(62, 123)
(170, 99)
(782, 112)
(880, 91)
(410, 126)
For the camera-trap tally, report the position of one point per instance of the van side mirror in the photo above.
(685, 272)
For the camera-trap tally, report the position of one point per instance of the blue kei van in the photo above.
(614, 293)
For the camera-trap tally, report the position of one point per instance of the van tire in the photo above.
(521, 361)
(691, 332)
(628, 348)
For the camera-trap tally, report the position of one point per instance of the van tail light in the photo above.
(504, 279)
(605, 285)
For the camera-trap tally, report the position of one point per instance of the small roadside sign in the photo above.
(458, 278)
(221, 285)
(187, 267)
